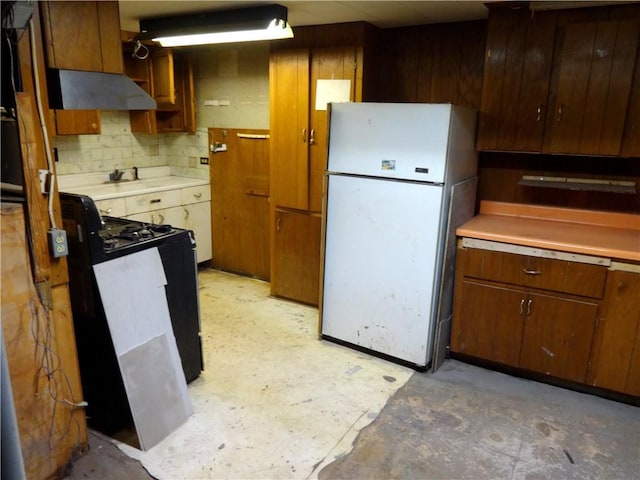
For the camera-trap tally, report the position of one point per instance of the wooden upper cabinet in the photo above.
(596, 66)
(77, 122)
(326, 64)
(163, 76)
(631, 139)
(289, 123)
(167, 76)
(82, 35)
(515, 88)
(298, 125)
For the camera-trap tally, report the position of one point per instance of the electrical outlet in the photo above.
(204, 160)
(58, 243)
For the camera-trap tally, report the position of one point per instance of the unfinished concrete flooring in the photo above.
(275, 402)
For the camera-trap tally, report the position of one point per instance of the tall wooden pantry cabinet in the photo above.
(298, 151)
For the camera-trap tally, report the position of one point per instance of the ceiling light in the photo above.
(266, 22)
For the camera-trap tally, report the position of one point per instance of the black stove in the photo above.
(94, 239)
(107, 237)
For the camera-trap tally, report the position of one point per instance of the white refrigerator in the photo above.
(400, 179)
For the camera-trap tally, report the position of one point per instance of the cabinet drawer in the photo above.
(113, 207)
(536, 272)
(152, 201)
(201, 193)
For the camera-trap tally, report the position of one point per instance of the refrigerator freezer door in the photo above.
(380, 265)
(403, 141)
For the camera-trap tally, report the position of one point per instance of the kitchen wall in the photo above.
(237, 74)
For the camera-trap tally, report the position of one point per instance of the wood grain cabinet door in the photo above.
(289, 127)
(593, 86)
(557, 336)
(82, 35)
(516, 80)
(616, 356)
(296, 259)
(488, 322)
(326, 64)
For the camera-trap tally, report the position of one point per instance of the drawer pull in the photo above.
(107, 211)
(155, 200)
(197, 195)
(531, 272)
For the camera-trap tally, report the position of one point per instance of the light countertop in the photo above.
(152, 180)
(604, 234)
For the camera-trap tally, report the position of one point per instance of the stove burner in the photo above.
(161, 228)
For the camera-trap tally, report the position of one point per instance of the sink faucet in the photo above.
(116, 175)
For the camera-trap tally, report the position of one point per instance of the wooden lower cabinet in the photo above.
(540, 332)
(557, 335)
(296, 256)
(616, 358)
(486, 322)
(547, 329)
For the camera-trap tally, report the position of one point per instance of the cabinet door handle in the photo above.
(278, 225)
(529, 303)
(560, 112)
(186, 213)
(522, 307)
(531, 272)
(304, 135)
(539, 113)
(312, 137)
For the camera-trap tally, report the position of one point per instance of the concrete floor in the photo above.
(276, 403)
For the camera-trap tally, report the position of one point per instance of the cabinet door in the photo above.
(557, 336)
(289, 127)
(616, 358)
(516, 80)
(296, 258)
(594, 81)
(83, 35)
(487, 322)
(197, 217)
(77, 122)
(162, 76)
(326, 64)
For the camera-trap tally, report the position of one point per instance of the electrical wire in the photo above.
(43, 125)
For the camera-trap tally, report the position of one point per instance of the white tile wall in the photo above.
(116, 147)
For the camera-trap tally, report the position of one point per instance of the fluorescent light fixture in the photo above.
(266, 22)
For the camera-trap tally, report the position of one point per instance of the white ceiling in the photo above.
(383, 14)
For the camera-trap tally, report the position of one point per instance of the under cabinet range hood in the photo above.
(80, 90)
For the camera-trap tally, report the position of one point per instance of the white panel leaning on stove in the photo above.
(157, 197)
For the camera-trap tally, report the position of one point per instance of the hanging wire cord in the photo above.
(140, 51)
(47, 360)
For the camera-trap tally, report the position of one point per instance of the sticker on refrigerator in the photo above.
(388, 164)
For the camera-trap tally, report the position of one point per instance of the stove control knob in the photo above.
(145, 233)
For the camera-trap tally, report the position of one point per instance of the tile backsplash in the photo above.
(116, 147)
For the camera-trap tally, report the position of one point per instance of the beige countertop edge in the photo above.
(613, 253)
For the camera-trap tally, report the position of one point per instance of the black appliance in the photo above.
(94, 239)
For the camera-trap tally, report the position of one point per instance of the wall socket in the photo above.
(58, 243)
(204, 160)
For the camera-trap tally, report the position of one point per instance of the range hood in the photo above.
(80, 90)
